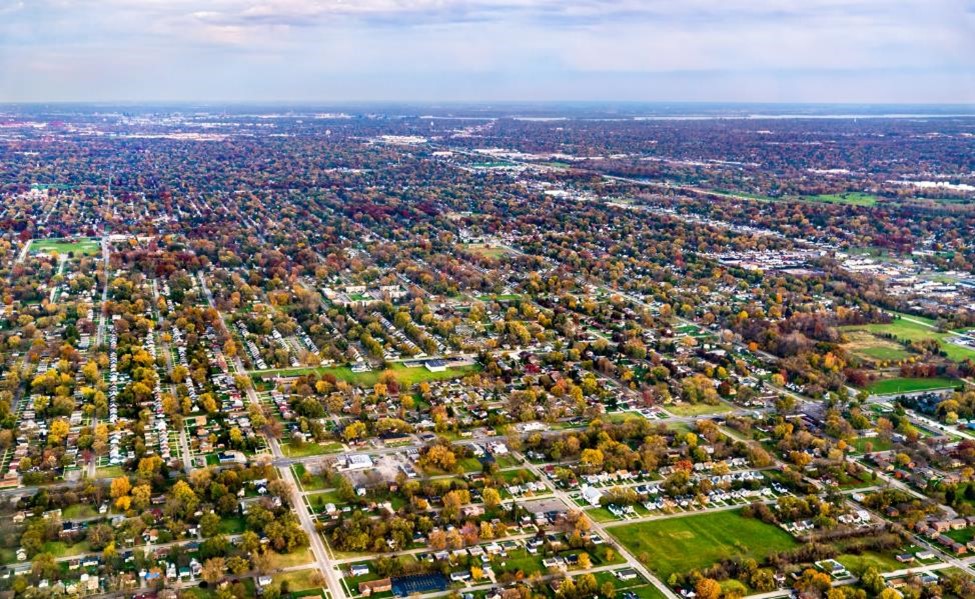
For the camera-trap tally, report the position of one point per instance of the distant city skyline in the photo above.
(860, 51)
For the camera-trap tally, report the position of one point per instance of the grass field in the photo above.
(871, 347)
(295, 558)
(405, 376)
(857, 564)
(851, 198)
(298, 580)
(697, 409)
(309, 449)
(78, 510)
(313, 483)
(505, 297)
(918, 329)
(486, 250)
(62, 549)
(906, 385)
(876, 444)
(695, 542)
(80, 247)
(109, 472)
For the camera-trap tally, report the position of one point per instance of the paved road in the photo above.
(325, 564)
(599, 529)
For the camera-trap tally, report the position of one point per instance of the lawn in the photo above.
(679, 545)
(852, 198)
(918, 329)
(908, 385)
(80, 247)
(405, 376)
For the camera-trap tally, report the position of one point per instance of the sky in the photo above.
(844, 51)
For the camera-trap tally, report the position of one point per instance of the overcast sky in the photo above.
(415, 50)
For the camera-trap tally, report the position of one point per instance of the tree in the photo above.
(238, 565)
(592, 459)
(210, 524)
(492, 499)
(243, 382)
(214, 569)
(120, 487)
(43, 565)
(59, 430)
(439, 456)
(141, 495)
(708, 588)
(262, 561)
(99, 536)
(354, 431)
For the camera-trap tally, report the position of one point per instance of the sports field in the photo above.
(679, 545)
(486, 250)
(80, 247)
(908, 385)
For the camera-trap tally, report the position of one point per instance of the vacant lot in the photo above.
(693, 542)
(906, 385)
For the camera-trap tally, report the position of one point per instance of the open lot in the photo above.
(692, 542)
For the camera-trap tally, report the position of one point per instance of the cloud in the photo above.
(256, 48)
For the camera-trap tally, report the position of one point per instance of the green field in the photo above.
(906, 385)
(314, 482)
(871, 347)
(297, 580)
(696, 409)
(851, 198)
(405, 376)
(859, 563)
(679, 545)
(80, 247)
(918, 329)
(309, 449)
(486, 250)
(62, 549)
